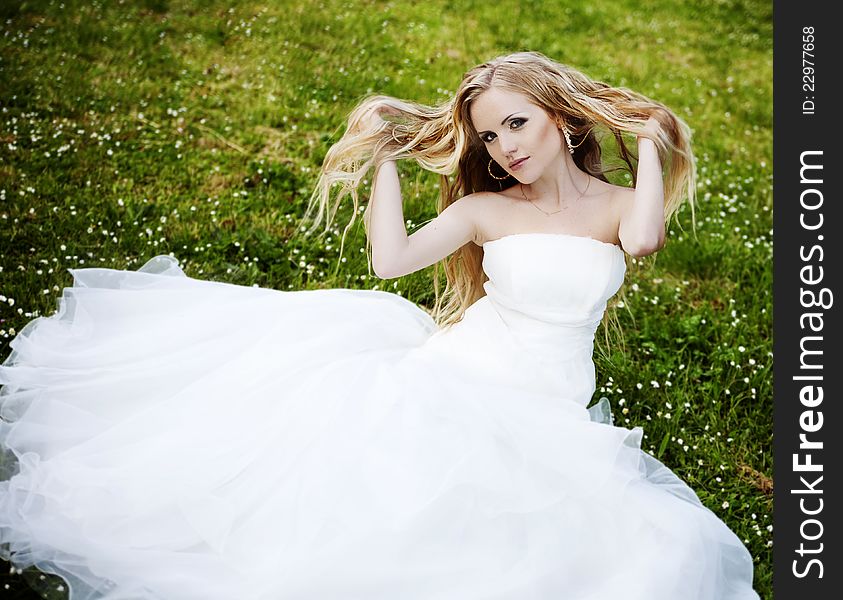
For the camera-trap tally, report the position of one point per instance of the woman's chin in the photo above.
(524, 179)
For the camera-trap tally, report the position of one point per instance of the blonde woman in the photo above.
(344, 444)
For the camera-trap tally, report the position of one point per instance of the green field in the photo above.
(196, 128)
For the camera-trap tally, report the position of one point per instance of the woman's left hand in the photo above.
(651, 129)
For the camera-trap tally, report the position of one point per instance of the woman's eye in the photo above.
(489, 137)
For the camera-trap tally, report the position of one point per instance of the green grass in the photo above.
(130, 129)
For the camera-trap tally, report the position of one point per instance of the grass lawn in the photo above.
(135, 128)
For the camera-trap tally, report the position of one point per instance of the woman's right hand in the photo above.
(373, 117)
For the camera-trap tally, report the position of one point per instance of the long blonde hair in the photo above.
(443, 139)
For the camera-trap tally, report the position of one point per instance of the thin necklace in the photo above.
(555, 211)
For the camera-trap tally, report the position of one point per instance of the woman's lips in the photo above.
(518, 164)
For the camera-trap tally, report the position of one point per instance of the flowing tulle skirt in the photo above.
(186, 439)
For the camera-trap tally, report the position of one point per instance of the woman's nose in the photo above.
(507, 145)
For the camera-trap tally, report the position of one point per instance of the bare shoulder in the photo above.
(479, 208)
(487, 211)
(472, 206)
(620, 198)
(478, 200)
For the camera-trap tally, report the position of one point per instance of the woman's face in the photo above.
(512, 128)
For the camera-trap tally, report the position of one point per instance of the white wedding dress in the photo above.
(186, 439)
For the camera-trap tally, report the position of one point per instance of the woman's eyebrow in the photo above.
(504, 121)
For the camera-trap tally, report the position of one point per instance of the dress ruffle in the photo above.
(179, 439)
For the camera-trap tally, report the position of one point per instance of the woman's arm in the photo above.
(385, 220)
(394, 253)
(641, 231)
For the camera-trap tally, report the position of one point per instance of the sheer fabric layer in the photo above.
(177, 439)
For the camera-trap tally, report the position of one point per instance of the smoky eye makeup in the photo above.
(512, 120)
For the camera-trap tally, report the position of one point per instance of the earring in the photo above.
(491, 160)
(568, 139)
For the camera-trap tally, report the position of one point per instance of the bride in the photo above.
(348, 445)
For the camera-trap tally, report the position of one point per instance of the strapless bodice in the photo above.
(545, 298)
(556, 278)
